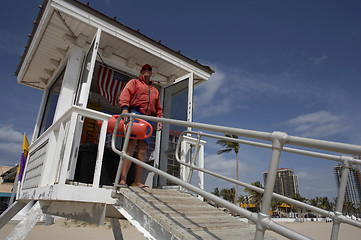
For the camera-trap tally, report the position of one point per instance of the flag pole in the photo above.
(12, 198)
(24, 155)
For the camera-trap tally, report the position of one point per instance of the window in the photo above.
(51, 103)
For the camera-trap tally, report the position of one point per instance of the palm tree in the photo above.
(255, 197)
(243, 199)
(348, 208)
(218, 194)
(358, 209)
(298, 197)
(325, 204)
(317, 203)
(228, 194)
(231, 146)
(275, 203)
(334, 203)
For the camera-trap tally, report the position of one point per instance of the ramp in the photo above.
(171, 214)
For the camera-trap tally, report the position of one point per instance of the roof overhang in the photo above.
(62, 24)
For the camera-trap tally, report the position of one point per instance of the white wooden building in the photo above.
(69, 43)
(69, 159)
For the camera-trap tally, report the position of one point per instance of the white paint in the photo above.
(70, 81)
(135, 223)
(84, 16)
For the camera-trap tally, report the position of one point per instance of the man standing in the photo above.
(141, 97)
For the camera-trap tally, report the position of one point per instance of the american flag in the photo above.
(111, 83)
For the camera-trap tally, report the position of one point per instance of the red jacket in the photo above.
(142, 97)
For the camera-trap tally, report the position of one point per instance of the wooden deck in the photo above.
(171, 214)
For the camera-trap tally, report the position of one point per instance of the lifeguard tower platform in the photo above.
(82, 59)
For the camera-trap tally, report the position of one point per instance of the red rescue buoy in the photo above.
(141, 129)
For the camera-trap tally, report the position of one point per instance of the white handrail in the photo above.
(323, 212)
(256, 218)
(278, 140)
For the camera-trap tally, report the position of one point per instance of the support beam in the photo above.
(44, 80)
(11, 212)
(83, 211)
(49, 72)
(69, 38)
(55, 62)
(117, 230)
(340, 199)
(15, 186)
(24, 226)
(277, 145)
(62, 51)
(81, 40)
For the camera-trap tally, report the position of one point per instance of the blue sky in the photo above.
(290, 66)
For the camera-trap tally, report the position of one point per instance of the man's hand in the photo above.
(159, 126)
(125, 118)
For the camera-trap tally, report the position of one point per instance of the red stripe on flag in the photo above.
(109, 87)
(107, 83)
(114, 93)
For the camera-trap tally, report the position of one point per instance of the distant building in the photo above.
(353, 187)
(7, 177)
(286, 182)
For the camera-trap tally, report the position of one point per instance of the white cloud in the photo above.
(219, 164)
(213, 85)
(319, 117)
(10, 140)
(11, 147)
(318, 124)
(319, 60)
(8, 161)
(302, 175)
(317, 182)
(7, 133)
(208, 100)
(231, 89)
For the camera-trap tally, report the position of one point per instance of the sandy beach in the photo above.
(77, 230)
(321, 230)
(74, 230)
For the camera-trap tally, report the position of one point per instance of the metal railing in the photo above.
(61, 139)
(345, 160)
(278, 140)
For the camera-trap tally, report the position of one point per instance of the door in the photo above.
(87, 72)
(82, 97)
(177, 104)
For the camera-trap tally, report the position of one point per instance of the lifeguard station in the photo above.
(82, 59)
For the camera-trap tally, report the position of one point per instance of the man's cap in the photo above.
(146, 66)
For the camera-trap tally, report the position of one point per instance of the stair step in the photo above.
(181, 215)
